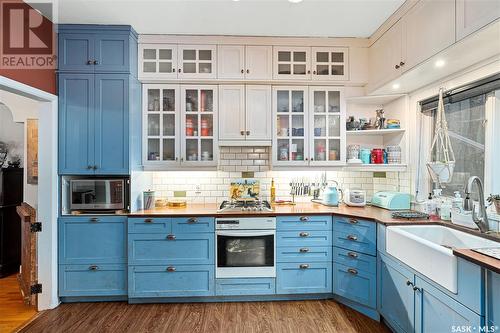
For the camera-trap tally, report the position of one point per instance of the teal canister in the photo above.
(365, 155)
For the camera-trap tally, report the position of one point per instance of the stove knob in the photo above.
(254, 208)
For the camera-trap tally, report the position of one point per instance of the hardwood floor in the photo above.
(13, 311)
(296, 316)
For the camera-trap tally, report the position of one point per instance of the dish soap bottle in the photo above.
(430, 207)
(445, 212)
(457, 203)
(273, 192)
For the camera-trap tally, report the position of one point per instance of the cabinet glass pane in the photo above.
(153, 149)
(169, 125)
(322, 69)
(297, 149)
(297, 101)
(168, 100)
(165, 54)
(333, 101)
(297, 125)
(207, 125)
(165, 67)
(191, 125)
(284, 69)
(283, 101)
(337, 57)
(153, 124)
(205, 55)
(192, 149)
(191, 100)
(319, 125)
(299, 69)
(149, 54)
(321, 56)
(299, 56)
(206, 100)
(149, 67)
(189, 67)
(168, 149)
(284, 56)
(153, 99)
(282, 126)
(333, 125)
(337, 70)
(189, 54)
(334, 150)
(319, 101)
(205, 67)
(207, 149)
(320, 149)
(283, 150)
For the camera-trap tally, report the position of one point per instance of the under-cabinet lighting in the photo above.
(396, 86)
(295, 1)
(439, 63)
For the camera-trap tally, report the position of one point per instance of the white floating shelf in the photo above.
(376, 132)
(375, 167)
(374, 100)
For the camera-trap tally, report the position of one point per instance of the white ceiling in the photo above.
(310, 18)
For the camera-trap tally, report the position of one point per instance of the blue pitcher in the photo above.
(331, 196)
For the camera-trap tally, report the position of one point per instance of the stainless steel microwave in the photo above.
(97, 194)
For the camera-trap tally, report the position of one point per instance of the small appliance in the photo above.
(98, 194)
(391, 200)
(331, 196)
(356, 198)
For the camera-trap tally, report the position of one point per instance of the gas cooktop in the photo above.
(245, 206)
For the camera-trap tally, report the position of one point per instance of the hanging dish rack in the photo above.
(441, 169)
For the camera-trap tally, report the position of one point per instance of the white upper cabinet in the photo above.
(197, 61)
(475, 14)
(330, 63)
(231, 62)
(231, 112)
(258, 113)
(259, 62)
(157, 61)
(429, 28)
(292, 63)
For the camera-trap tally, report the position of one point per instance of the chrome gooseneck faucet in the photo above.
(482, 220)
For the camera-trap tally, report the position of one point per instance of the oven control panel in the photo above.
(247, 223)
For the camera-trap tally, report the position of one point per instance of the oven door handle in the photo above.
(246, 234)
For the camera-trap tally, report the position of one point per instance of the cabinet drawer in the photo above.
(168, 249)
(92, 280)
(304, 278)
(304, 238)
(193, 224)
(256, 286)
(304, 254)
(146, 225)
(92, 240)
(171, 281)
(353, 259)
(355, 285)
(352, 240)
(303, 222)
(364, 227)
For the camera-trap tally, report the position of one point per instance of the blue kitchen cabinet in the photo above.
(320, 222)
(97, 49)
(304, 253)
(355, 234)
(437, 312)
(310, 278)
(92, 280)
(245, 286)
(304, 238)
(396, 295)
(493, 299)
(355, 285)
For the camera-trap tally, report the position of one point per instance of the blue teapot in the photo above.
(331, 196)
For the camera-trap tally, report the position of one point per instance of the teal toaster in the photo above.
(391, 200)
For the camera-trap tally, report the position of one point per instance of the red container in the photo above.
(377, 156)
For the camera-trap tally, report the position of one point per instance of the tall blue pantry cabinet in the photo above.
(99, 134)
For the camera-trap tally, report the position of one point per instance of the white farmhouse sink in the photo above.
(428, 250)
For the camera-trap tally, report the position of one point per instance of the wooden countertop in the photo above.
(479, 259)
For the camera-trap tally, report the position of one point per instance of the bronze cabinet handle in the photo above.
(89, 167)
(248, 132)
(352, 254)
(148, 220)
(93, 267)
(304, 266)
(304, 219)
(409, 283)
(95, 167)
(248, 71)
(308, 71)
(192, 220)
(415, 288)
(179, 70)
(94, 219)
(242, 71)
(304, 250)
(352, 237)
(242, 132)
(171, 237)
(304, 234)
(353, 221)
(173, 70)
(89, 62)
(401, 63)
(352, 271)
(397, 66)
(314, 72)
(171, 269)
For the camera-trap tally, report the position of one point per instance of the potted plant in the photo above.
(495, 200)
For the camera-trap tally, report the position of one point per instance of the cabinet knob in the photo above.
(248, 71)
(304, 250)
(307, 159)
(242, 71)
(352, 254)
(89, 167)
(352, 237)
(248, 132)
(409, 283)
(415, 288)
(397, 66)
(242, 132)
(304, 218)
(93, 267)
(148, 220)
(171, 237)
(94, 219)
(308, 71)
(170, 269)
(304, 266)
(401, 63)
(192, 220)
(176, 159)
(95, 167)
(179, 70)
(89, 62)
(304, 234)
(96, 62)
(352, 271)
(312, 158)
(353, 221)
(314, 72)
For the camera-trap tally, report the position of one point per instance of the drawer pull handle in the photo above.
(352, 237)
(304, 266)
(171, 237)
(409, 283)
(352, 254)
(304, 219)
(353, 221)
(170, 269)
(192, 220)
(352, 271)
(93, 267)
(148, 220)
(94, 219)
(304, 234)
(415, 288)
(304, 250)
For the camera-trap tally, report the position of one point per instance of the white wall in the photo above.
(12, 134)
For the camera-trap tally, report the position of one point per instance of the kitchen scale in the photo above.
(490, 252)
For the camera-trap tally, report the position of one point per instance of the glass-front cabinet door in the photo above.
(161, 120)
(330, 63)
(157, 61)
(290, 146)
(292, 62)
(197, 61)
(327, 126)
(198, 125)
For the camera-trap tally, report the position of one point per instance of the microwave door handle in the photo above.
(246, 234)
